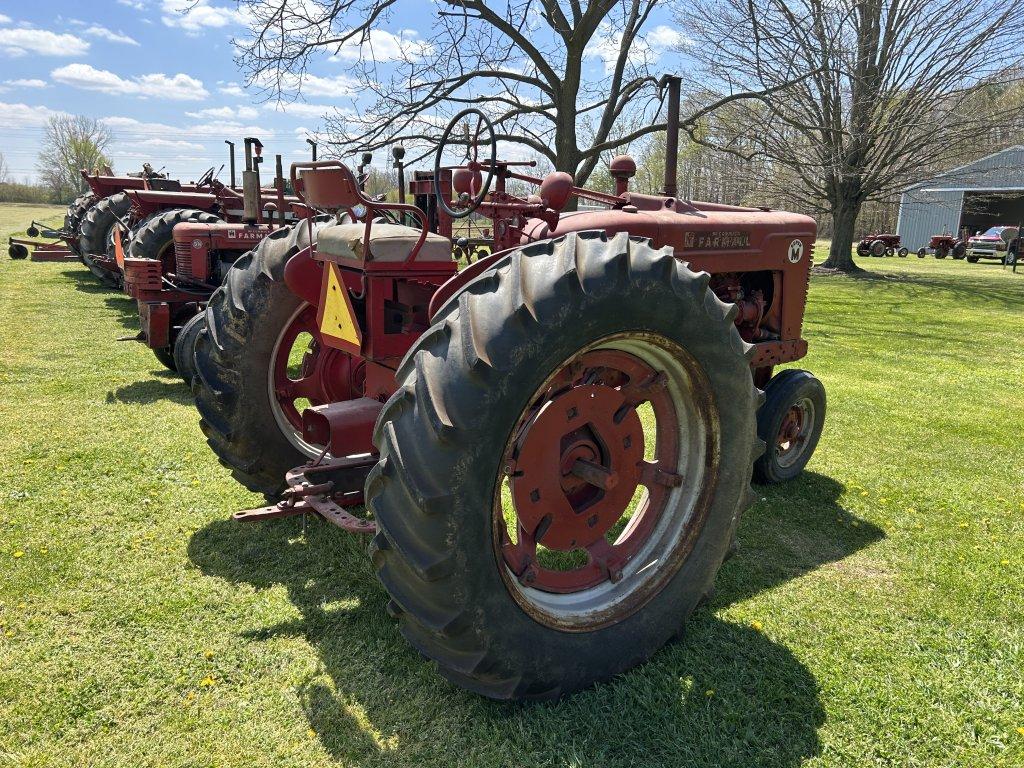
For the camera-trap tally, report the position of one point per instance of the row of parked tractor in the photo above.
(550, 447)
(1001, 243)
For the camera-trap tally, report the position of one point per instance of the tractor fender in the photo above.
(302, 275)
(461, 278)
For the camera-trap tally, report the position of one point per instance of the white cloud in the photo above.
(231, 89)
(646, 49)
(214, 129)
(24, 116)
(107, 34)
(5, 19)
(225, 113)
(26, 83)
(179, 87)
(196, 15)
(384, 46)
(136, 4)
(18, 42)
(313, 85)
(662, 37)
(190, 146)
(300, 109)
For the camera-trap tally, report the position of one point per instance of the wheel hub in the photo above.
(579, 467)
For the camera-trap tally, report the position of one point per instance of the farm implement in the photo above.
(554, 444)
(39, 250)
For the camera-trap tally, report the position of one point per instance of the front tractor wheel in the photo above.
(790, 423)
(563, 466)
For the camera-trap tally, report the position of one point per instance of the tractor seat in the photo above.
(388, 243)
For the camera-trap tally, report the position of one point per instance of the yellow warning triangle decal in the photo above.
(337, 321)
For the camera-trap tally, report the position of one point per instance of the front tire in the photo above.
(185, 347)
(541, 339)
(790, 423)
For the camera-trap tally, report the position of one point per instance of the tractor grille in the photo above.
(141, 275)
(183, 259)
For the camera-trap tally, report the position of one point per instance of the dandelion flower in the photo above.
(206, 682)
(208, 655)
(709, 692)
(19, 553)
(757, 626)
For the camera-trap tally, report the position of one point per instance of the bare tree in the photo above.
(891, 92)
(5, 174)
(522, 61)
(71, 143)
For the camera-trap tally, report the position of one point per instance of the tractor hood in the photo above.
(684, 226)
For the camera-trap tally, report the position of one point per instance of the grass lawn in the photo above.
(871, 618)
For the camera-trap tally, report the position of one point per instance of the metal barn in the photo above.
(979, 195)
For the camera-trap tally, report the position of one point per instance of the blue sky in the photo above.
(164, 81)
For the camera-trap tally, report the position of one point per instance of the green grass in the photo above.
(871, 618)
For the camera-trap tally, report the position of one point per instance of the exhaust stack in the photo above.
(251, 192)
(673, 83)
(231, 156)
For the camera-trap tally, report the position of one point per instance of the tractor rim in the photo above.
(605, 504)
(796, 427)
(320, 366)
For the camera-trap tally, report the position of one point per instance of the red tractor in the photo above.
(943, 246)
(881, 245)
(554, 445)
(179, 257)
(136, 208)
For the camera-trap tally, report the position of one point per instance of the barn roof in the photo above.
(1003, 170)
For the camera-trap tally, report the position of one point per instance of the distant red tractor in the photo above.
(179, 256)
(555, 444)
(943, 246)
(881, 245)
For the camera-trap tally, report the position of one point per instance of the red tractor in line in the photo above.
(140, 214)
(179, 256)
(553, 445)
(879, 245)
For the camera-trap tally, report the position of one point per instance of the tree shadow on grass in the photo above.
(723, 695)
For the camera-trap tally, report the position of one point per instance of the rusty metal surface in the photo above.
(325, 488)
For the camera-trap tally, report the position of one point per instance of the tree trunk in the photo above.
(840, 255)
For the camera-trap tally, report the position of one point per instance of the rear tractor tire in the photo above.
(534, 535)
(251, 321)
(878, 248)
(790, 423)
(75, 216)
(97, 226)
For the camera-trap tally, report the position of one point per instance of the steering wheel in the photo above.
(207, 177)
(471, 161)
